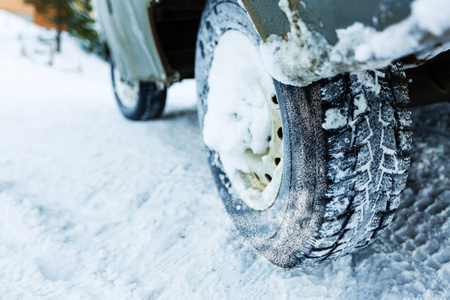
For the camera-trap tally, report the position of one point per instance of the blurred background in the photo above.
(75, 17)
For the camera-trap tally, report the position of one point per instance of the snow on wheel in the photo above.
(243, 122)
(307, 174)
(137, 100)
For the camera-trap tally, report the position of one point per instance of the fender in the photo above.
(127, 28)
(305, 41)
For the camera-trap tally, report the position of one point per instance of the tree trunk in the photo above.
(59, 24)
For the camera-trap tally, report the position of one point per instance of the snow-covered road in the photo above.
(96, 207)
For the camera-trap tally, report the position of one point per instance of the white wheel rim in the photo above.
(243, 121)
(127, 90)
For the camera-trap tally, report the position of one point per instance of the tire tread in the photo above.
(376, 162)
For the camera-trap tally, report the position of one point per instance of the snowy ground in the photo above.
(96, 207)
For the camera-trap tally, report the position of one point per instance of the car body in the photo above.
(127, 28)
(141, 35)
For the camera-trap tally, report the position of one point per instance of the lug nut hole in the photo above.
(274, 99)
(277, 161)
(280, 133)
(268, 177)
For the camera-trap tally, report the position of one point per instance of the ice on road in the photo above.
(93, 206)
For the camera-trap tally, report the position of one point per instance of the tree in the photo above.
(71, 15)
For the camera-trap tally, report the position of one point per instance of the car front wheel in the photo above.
(307, 174)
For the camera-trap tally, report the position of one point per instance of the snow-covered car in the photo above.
(303, 105)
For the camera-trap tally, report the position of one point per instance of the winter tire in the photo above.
(137, 100)
(345, 149)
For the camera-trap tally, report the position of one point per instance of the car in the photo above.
(304, 105)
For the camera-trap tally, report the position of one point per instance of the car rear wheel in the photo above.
(137, 100)
(307, 174)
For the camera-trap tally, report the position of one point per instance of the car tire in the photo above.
(137, 100)
(346, 143)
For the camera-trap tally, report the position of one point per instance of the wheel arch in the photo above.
(175, 25)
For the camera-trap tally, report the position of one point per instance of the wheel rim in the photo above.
(243, 121)
(127, 90)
